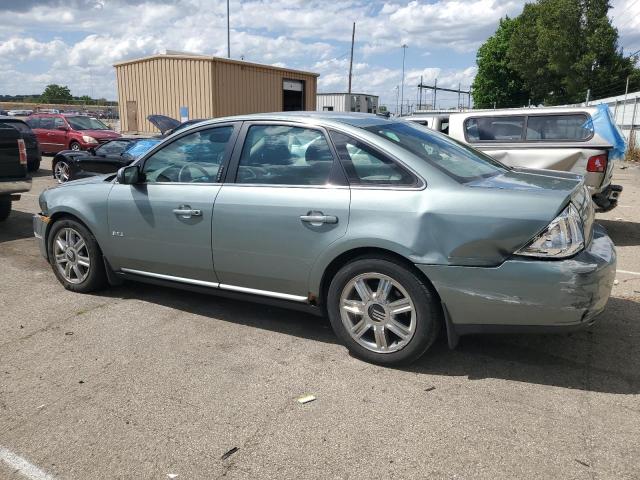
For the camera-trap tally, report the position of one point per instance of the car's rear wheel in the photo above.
(62, 171)
(75, 257)
(34, 166)
(382, 311)
(75, 146)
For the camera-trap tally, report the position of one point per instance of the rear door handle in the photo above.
(185, 211)
(318, 218)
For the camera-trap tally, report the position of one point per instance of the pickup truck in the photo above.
(13, 169)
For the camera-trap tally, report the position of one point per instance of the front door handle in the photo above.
(185, 211)
(318, 218)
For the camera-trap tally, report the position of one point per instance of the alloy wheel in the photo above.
(378, 312)
(61, 172)
(71, 255)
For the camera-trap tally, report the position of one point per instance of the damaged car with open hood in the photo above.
(393, 231)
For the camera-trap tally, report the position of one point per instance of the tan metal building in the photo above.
(206, 87)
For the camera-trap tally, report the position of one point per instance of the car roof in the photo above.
(360, 120)
(8, 118)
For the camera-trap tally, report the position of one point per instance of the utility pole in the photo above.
(397, 97)
(420, 89)
(459, 106)
(228, 33)
(435, 93)
(624, 105)
(404, 51)
(353, 38)
(588, 95)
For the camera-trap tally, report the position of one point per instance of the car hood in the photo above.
(101, 134)
(163, 123)
(86, 181)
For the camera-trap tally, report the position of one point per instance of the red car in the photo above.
(56, 132)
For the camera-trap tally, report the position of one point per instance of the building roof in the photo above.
(197, 56)
(345, 93)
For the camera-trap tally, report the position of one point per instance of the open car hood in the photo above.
(163, 123)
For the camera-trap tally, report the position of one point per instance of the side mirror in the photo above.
(91, 150)
(129, 175)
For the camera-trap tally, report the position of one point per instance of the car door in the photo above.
(43, 129)
(161, 227)
(284, 201)
(58, 134)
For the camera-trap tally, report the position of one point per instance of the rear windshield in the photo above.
(86, 123)
(20, 126)
(457, 160)
(536, 128)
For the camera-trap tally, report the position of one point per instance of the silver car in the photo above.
(392, 230)
(555, 138)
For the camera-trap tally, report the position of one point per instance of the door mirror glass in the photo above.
(129, 175)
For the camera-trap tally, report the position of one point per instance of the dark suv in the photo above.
(34, 157)
(57, 132)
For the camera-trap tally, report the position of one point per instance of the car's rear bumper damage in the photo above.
(528, 295)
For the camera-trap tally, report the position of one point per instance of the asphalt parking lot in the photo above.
(147, 382)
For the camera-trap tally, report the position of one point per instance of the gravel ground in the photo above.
(148, 382)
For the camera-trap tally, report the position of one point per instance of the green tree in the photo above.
(553, 52)
(56, 94)
(496, 83)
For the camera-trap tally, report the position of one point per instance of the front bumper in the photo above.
(15, 185)
(40, 225)
(528, 295)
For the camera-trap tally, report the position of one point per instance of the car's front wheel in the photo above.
(75, 257)
(62, 171)
(75, 146)
(382, 311)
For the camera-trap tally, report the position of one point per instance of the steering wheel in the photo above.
(191, 165)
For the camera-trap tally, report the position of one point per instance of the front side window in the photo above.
(457, 160)
(285, 155)
(194, 158)
(86, 123)
(365, 166)
(58, 122)
(496, 129)
(559, 127)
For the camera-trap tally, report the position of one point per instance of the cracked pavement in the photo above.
(141, 382)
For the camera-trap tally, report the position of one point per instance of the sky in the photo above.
(76, 42)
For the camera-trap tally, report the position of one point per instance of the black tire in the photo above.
(96, 277)
(427, 315)
(75, 146)
(5, 208)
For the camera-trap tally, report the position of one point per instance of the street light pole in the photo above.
(404, 51)
(397, 89)
(228, 33)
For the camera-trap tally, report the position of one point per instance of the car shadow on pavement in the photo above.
(18, 225)
(42, 172)
(604, 358)
(623, 234)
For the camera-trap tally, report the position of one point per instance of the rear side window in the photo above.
(365, 166)
(34, 122)
(21, 127)
(496, 129)
(559, 127)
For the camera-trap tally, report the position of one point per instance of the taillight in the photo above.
(597, 163)
(23, 151)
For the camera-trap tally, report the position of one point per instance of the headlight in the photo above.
(88, 139)
(44, 208)
(562, 238)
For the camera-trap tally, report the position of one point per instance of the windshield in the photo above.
(457, 160)
(139, 148)
(86, 123)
